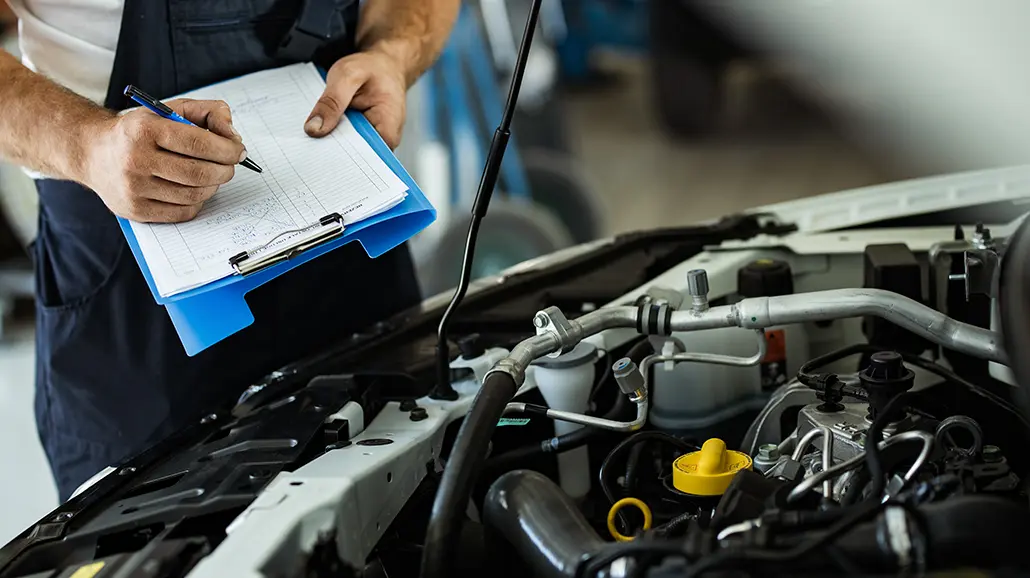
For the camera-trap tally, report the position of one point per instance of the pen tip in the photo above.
(251, 165)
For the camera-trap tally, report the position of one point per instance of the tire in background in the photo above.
(511, 232)
(558, 186)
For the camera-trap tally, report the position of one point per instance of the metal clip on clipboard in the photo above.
(327, 228)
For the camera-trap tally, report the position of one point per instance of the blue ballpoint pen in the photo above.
(164, 111)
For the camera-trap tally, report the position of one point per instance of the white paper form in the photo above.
(304, 179)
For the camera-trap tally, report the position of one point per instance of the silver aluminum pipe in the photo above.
(762, 312)
(558, 334)
(543, 344)
(827, 453)
(915, 435)
(712, 358)
(645, 367)
(589, 420)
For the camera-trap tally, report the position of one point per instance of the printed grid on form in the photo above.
(303, 180)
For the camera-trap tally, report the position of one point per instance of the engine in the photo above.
(875, 457)
(733, 399)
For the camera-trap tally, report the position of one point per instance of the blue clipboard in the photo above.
(206, 315)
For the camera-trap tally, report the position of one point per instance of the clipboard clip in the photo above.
(327, 228)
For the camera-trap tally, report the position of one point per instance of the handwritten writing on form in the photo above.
(304, 179)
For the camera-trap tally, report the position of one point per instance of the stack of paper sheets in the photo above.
(304, 179)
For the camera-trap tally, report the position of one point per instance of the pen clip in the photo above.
(147, 100)
(328, 227)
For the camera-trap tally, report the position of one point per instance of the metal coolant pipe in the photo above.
(762, 312)
(538, 346)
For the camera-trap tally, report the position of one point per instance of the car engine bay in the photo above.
(745, 397)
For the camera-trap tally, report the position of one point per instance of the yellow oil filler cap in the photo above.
(708, 472)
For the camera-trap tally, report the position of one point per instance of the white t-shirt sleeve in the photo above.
(72, 42)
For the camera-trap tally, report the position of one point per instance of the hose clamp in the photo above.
(509, 367)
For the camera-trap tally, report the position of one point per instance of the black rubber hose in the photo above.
(963, 531)
(817, 381)
(627, 444)
(675, 525)
(873, 458)
(805, 372)
(460, 473)
(541, 523)
(632, 462)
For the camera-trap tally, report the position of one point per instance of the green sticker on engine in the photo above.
(513, 421)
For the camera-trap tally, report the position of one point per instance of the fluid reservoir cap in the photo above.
(583, 353)
(708, 472)
(765, 278)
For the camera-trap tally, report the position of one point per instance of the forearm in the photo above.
(413, 32)
(44, 126)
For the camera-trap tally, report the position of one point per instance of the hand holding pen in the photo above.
(162, 110)
(148, 169)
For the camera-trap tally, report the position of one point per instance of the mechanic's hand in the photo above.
(372, 82)
(150, 169)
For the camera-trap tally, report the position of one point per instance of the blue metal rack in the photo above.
(593, 24)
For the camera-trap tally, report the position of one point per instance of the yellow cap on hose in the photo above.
(708, 472)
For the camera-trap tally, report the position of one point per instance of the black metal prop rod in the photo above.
(487, 183)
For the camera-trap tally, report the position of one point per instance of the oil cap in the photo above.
(708, 472)
(765, 278)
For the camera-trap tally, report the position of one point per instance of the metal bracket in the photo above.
(665, 296)
(981, 265)
(554, 322)
(980, 272)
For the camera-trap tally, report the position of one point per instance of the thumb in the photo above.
(341, 85)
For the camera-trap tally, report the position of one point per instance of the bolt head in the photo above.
(992, 453)
(540, 321)
(769, 452)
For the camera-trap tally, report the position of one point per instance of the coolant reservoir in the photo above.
(692, 396)
(566, 382)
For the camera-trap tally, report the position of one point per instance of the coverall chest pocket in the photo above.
(217, 40)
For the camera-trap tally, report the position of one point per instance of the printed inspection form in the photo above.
(304, 180)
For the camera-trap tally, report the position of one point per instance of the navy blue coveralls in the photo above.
(112, 375)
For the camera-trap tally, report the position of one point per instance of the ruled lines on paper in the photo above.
(304, 179)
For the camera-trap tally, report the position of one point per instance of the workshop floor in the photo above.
(772, 146)
(772, 149)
